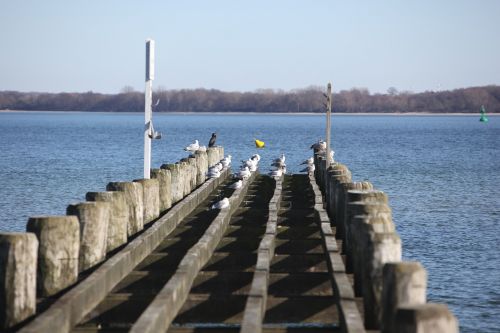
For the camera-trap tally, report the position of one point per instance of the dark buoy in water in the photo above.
(483, 118)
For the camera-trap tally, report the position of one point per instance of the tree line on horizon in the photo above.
(310, 99)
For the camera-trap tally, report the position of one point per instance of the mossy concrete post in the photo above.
(94, 220)
(165, 186)
(186, 176)
(193, 170)
(213, 156)
(176, 181)
(118, 218)
(382, 249)
(220, 155)
(151, 198)
(201, 166)
(18, 264)
(356, 193)
(345, 222)
(58, 250)
(405, 283)
(133, 193)
(340, 205)
(333, 174)
(425, 318)
(363, 227)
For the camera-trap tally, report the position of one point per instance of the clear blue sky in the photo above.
(246, 45)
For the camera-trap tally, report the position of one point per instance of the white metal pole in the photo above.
(328, 122)
(148, 114)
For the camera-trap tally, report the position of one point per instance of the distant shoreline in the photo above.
(401, 114)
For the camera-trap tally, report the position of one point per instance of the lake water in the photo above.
(442, 175)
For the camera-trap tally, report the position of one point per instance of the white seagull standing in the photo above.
(236, 185)
(226, 161)
(213, 173)
(224, 203)
(244, 173)
(281, 159)
(310, 160)
(310, 168)
(193, 147)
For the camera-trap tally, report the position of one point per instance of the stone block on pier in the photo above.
(118, 220)
(150, 199)
(381, 249)
(133, 193)
(165, 187)
(18, 265)
(425, 318)
(405, 284)
(58, 250)
(176, 181)
(94, 220)
(201, 166)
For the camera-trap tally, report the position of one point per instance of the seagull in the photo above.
(219, 166)
(211, 143)
(249, 163)
(310, 160)
(332, 153)
(276, 173)
(320, 145)
(281, 159)
(193, 147)
(236, 185)
(244, 173)
(213, 173)
(202, 148)
(310, 168)
(255, 157)
(226, 161)
(224, 203)
(278, 164)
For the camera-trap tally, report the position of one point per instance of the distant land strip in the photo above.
(307, 100)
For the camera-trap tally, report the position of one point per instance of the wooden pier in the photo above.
(295, 253)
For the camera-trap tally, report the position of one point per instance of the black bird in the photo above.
(211, 143)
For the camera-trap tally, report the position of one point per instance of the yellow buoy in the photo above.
(259, 144)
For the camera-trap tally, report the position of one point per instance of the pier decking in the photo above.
(283, 257)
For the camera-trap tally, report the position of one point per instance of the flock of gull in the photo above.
(251, 165)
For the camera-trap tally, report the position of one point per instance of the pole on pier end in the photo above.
(328, 123)
(148, 111)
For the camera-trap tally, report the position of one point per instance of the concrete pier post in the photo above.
(382, 249)
(165, 187)
(405, 283)
(344, 201)
(425, 318)
(133, 193)
(18, 265)
(177, 181)
(339, 204)
(94, 220)
(151, 198)
(186, 176)
(363, 226)
(356, 192)
(59, 244)
(331, 182)
(213, 156)
(193, 170)
(221, 153)
(201, 167)
(118, 220)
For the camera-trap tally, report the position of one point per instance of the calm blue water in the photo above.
(442, 174)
